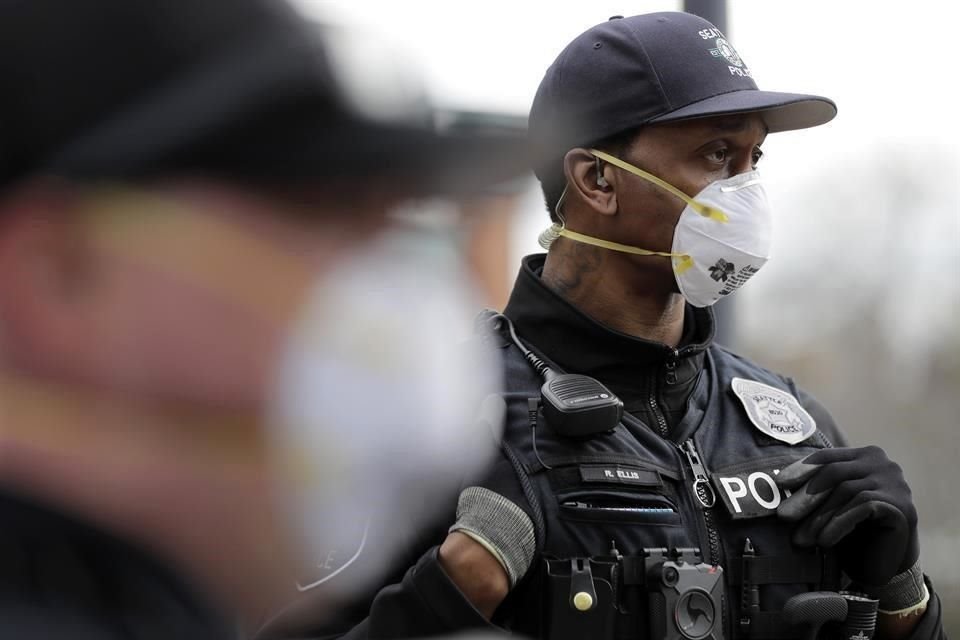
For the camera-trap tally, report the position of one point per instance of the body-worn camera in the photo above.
(661, 595)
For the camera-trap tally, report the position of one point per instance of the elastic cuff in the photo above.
(911, 609)
(500, 526)
(904, 593)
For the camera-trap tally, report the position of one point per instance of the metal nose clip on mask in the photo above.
(721, 240)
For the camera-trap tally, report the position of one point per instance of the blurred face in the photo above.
(140, 331)
(177, 294)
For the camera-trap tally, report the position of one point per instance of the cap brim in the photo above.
(268, 114)
(460, 159)
(781, 111)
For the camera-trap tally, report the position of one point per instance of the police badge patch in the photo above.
(774, 412)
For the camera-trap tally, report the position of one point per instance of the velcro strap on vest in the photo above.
(791, 569)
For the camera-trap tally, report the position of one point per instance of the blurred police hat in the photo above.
(238, 89)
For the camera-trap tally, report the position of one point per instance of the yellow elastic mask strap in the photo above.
(703, 209)
(682, 260)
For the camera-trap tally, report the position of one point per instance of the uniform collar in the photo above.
(578, 343)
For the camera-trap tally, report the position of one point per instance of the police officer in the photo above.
(658, 212)
(193, 198)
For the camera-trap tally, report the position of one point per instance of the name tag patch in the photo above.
(774, 412)
(618, 474)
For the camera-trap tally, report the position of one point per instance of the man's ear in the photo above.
(592, 180)
(42, 264)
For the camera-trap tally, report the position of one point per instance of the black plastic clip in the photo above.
(583, 597)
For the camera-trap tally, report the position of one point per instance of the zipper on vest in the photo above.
(655, 411)
(671, 365)
(706, 497)
(671, 378)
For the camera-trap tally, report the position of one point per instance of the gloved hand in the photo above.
(854, 499)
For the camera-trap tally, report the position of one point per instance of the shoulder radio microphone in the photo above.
(573, 405)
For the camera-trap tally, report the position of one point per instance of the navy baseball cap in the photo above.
(653, 68)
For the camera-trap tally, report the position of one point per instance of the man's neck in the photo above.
(610, 289)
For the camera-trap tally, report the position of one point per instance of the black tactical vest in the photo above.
(709, 487)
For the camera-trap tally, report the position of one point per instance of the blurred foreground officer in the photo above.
(194, 204)
(679, 491)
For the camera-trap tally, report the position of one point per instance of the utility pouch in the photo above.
(661, 594)
(580, 599)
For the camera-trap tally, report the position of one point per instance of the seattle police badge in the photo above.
(774, 412)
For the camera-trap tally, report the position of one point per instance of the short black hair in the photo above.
(554, 180)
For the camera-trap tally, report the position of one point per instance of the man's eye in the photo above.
(757, 155)
(718, 156)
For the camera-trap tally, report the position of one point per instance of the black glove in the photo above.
(857, 501)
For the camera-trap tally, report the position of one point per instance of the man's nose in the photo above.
(742, 165)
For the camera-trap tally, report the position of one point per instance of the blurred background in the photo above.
(861, 300)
